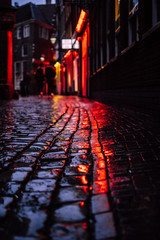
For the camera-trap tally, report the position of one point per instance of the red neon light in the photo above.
(79, 39)
(68, 53)
(81, 21)
(9, 63)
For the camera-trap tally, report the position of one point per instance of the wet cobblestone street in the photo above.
(75, 169)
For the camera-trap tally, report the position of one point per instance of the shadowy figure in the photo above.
(39, 76)
(25, 84)
(50, 74)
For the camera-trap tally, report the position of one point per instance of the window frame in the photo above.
(26, 31)
(133, 24)
(19, 32)
(23, 50)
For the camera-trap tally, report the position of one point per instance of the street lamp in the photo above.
(53, 39)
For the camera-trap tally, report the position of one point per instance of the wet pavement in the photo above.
(75, 169)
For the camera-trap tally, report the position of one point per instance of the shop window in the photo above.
(19, 32)
(26, 31)
(155, 11)
(133, 22)
(24, 50)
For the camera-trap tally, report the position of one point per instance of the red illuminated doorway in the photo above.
(85, 62)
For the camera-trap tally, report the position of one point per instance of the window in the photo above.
(155, 11)
(24, 50)
(133, 4)
(117, 27)
(117, 15)
(19, 32)
(43, 32)
(107, 30)
(26, 31)
(133, 21)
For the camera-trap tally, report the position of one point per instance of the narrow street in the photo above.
(75, 169)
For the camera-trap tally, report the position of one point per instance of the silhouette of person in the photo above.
(50, 74)
(39, 76)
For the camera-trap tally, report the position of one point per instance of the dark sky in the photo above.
(22, 2)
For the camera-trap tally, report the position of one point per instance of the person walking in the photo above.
(50, 74)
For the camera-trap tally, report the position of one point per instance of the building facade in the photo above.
(31, 40)
(125, 53)
(118, 56)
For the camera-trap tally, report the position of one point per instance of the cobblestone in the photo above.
(75, 169)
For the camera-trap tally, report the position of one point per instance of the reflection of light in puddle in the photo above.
(102, 164)
(84, 180)
(100, 174)
(83, 168)
(100, 187)
(100, 155)
(109, 153)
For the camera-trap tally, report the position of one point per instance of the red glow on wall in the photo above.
(81, 21)
(63, 70)
(9, 59)
(85, 62)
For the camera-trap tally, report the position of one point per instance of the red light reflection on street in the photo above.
(96, 149)
(100, 155)
(100, 187)
(102, 164)
(85, 189)
(84, 180)
(109, 153)
(100, 174)
(83, 168)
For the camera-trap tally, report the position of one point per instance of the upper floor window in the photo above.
(155, 11)
(117, 27)
(133, 21)
(26, 31)
(19, 32)
(117, 15)
(133, 5)
(43, 32)
(24, 50)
